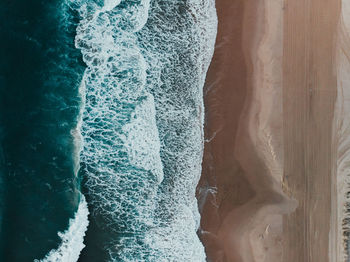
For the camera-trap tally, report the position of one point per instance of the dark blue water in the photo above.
(40, 72)
(115, 88)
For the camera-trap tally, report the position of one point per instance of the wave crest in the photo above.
(72, 238)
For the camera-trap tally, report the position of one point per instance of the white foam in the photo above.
(141, 138)
(124, 165)
(178, 47)
(72, 239)
(143, 123)
(176, 241)
(110, 4)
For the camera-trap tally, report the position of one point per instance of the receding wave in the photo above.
(142, 125)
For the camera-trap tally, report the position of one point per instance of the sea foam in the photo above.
(72, 239)
(142, 123)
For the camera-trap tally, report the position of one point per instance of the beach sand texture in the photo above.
(277, 154)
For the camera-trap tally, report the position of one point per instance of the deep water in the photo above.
(40, 73)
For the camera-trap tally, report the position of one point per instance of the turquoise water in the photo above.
(40, 72)
(113, 88)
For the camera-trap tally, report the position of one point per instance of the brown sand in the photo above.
(309, 94)
(274, 157)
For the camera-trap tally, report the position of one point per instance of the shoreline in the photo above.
(228, 233)
(264, 165)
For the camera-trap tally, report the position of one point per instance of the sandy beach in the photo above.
(273, 185)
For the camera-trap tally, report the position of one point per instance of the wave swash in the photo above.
(142, 124)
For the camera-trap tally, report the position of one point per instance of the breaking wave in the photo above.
(142, 124)
(72, 238)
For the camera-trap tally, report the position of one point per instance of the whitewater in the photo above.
(141, 129)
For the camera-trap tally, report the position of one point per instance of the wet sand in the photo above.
(277, 149)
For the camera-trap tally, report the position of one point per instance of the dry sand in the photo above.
(278, 135)
(341, 130)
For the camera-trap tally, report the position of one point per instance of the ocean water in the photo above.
(102, 98)
(40, 74)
